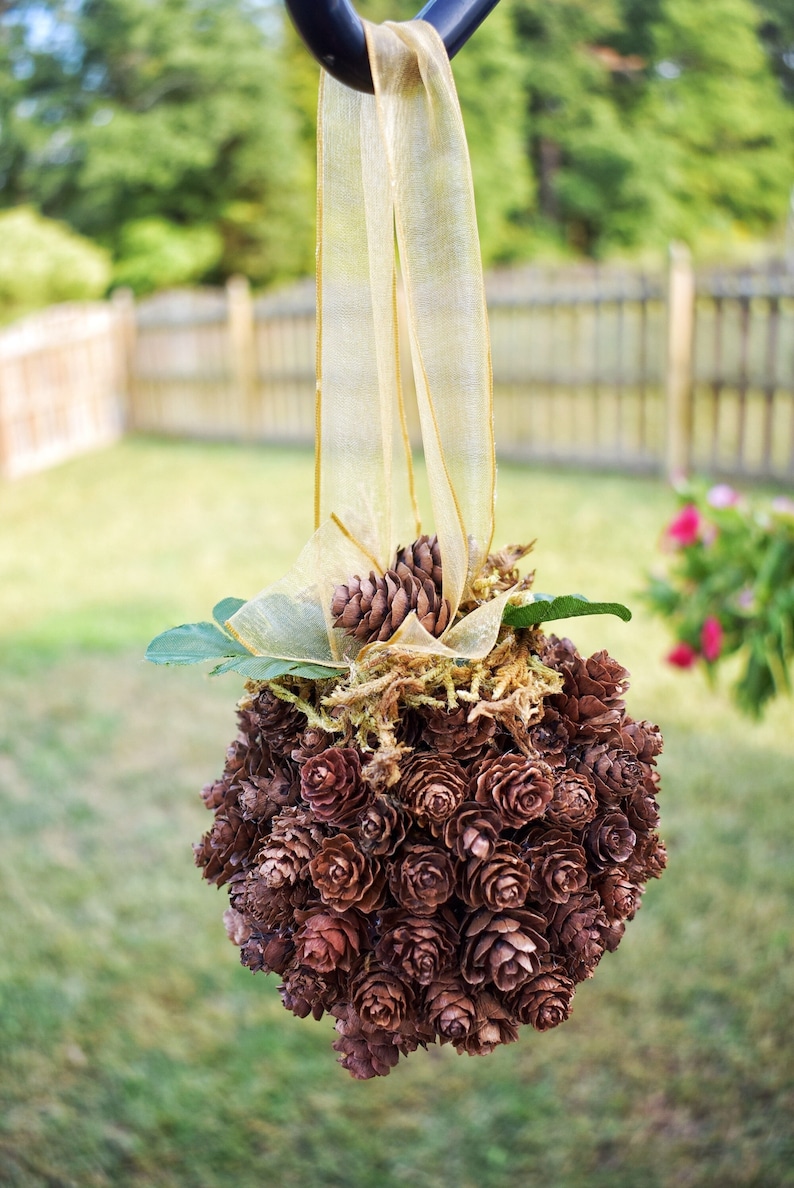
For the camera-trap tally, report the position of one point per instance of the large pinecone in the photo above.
(373, 608)
(463, 901)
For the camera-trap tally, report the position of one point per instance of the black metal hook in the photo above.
(332, 31)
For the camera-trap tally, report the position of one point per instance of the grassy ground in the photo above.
(134, 1050)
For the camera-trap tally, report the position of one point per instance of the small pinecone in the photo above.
(500, 883)
(373, 608)
(294, 840)
(381, 827)
(505, 948)
(306, 992)
(381, 1000)
(229, 846)
(432, 787)
(473, 832)
(280, 722)
(346, 877)
(545, 1000)
(575, 930)
(450, 1009)
(518, 786)
(267, 952)
(558, 866)
(451, 733)
(327, 941)
(363, 1053)
(422, 878)
(573, 803)
(417, 948)
(331, 783)
(493, 1025)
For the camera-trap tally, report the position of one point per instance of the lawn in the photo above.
(135, 1050)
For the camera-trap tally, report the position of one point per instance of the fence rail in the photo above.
(595, 366)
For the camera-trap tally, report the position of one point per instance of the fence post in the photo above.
(123, 301)
(240, 314)
(680, 339)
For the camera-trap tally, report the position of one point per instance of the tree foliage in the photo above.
(179, 134)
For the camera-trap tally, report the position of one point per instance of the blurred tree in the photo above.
(716, 112)
(167, 110)
(777, 38)
(43, 262)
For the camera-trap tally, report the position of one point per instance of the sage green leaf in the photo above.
(224, 610)
(545, 608)
(191, 643)
(267, 668)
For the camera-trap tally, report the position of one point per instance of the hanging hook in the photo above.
(332, 31)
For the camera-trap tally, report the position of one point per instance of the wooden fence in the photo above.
(62, 374)
(659, 371)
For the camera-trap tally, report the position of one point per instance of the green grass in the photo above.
(134, 1050)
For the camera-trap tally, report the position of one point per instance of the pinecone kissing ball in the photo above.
(433, 851)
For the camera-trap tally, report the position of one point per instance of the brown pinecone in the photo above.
(417, 948)
(575, 932)
(328, 941)
(422, 878)
(648, 860)
(346, 877)
(609, 838)
(544, 1001)
(492, 1025)
(332, 786)
(645, 739)
(294, 840)
(364, 1054)
(614, 771)
(518, 786)
(280, 722)
(423, 558)
(450, 1009)
(238, 926)
(310, 743)
(267, 952)
(451, 733)
(500, 882)
(373, 608)
(307, 992)
(573, 803)
(473, 831)
(620, 897)
(642, 811)
(432, 787)
(229, 846)
(272, 907)
(381, 827)
(261, 797)
(591, 703)
(505, 948)
(558, 866)
(381, 1000)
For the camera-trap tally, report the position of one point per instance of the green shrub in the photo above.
(156, 254)
(43, 262)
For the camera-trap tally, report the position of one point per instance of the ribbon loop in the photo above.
(397, 161)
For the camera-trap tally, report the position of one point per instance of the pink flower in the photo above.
(684, 529)
(711, 639)
(682, 656)
(723, 496)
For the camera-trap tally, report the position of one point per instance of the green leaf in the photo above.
(225, 609)
(191, 643)
(267, 668)
(545, 607)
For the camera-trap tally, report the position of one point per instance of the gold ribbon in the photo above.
(397, 160)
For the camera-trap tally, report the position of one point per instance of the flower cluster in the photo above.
(464, 899)
(730, 589)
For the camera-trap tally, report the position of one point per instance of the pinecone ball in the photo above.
(434, 864)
